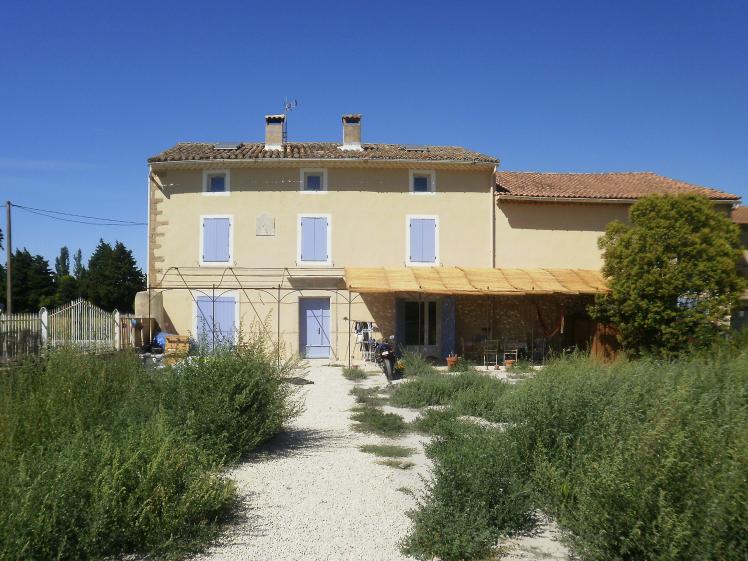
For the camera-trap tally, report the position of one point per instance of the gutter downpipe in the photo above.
(493, 216)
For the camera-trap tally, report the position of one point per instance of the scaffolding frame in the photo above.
(277, 283)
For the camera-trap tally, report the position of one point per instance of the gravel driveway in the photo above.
(313, 495)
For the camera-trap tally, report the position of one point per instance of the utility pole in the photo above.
(8, 266)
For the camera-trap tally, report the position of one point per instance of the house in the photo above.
(739, 215)
(308, 241)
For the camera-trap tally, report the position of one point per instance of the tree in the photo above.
(113, 277)
(62, 263)
(78, 269)
(672, 274)
(33, 283)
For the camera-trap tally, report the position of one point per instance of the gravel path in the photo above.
(313, 495)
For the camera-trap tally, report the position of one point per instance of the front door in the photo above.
(314, 327)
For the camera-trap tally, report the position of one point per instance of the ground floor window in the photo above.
(420, 322)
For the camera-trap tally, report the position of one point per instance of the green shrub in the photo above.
(354, 373)
(462, 365)
(434, 421)
(229, 402)
(469, 393)
(478, 493)
(369, 396)
(387, 450)
(415, 365)
(641, 460)
(371, 419)
(100, 457)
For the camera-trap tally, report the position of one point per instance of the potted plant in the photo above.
(452, 359)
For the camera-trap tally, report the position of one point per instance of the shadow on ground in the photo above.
(292, 442)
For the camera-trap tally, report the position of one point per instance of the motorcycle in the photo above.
(386, 356)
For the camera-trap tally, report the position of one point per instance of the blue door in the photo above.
(314, 327)
(216, 321)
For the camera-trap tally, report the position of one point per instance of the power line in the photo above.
(99, 220)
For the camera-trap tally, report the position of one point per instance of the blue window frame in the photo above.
(421, 184)
(217, 183)
(313, 182)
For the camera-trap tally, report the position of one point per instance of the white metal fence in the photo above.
(79, 324)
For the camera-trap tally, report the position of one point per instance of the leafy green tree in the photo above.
(113, 277)
(33, 283)
(62, 263)
(78, 269)
(671, 273)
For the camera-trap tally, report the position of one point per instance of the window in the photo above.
(216, 182)
(420, 323)
(422, 240)
(313, 180)
(215, 240)
(422, 181)
(314, 240)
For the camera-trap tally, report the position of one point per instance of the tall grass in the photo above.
(642, 460)
(100, 457)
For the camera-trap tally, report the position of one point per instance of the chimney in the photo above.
(351, 132)
(274, 131)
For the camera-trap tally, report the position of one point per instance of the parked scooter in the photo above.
(387, 357)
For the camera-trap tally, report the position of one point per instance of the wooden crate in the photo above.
(177, 345)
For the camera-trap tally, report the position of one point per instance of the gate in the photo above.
(80, 324)
(20, 334)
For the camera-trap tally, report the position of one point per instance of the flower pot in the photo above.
(509, 363)
(452, 360)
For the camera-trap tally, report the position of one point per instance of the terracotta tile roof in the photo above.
(185, 151)
(740, 215)
(597, 186)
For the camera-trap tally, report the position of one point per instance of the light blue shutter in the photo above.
(313, 238)
(416, 240)
(423, 240)
(320, 239)
(428, 250)
(307, 239)
(224, 319)
(216, 237)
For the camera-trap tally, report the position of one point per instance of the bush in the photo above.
(415, 365)
(354, 373)
(469, 393)
(642, 460)
(368, 396)
(100, 457)
(478, 493)
(387, 450)
(371, 419)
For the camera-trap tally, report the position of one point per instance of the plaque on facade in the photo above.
(265, 225)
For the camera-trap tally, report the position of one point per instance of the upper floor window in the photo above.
(423, 240)
(216, 182)
(215, 240)
(314, 239)
(422, 181)
(313, 180)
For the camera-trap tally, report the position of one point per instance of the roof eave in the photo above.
(530, 198)
(228, 161)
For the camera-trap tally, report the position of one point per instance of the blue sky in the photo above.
(89, 90)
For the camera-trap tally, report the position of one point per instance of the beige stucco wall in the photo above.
(552, 235)
(367, 209)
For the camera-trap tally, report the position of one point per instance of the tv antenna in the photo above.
(288, 106)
